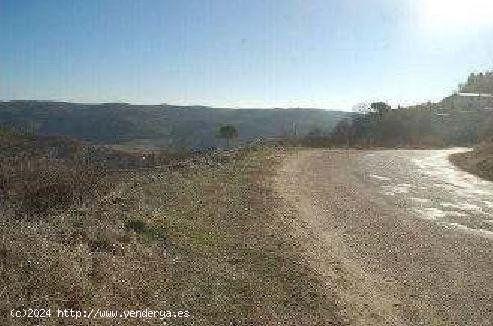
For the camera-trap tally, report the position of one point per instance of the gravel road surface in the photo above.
(400, 237)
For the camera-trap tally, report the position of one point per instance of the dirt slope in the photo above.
(478, 161)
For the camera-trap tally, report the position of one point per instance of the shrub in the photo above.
(136, 225)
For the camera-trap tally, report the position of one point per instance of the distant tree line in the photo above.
(424, 125)
(456, 120)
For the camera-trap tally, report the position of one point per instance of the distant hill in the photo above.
(159, 125)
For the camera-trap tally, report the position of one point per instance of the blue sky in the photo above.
(229, 53)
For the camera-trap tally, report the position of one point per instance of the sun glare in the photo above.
(450, 14)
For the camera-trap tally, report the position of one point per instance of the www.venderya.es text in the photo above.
(100, 313)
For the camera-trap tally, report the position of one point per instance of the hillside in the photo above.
(159, 125)
(421, 126)
(464, 118)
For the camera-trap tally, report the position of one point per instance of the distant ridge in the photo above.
(161, 125)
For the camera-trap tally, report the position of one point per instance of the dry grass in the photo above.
(235, 261)
(35, 186)
(41, 176)
(203, 238)
(64, 242)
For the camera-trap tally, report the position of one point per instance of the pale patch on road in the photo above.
(433, 188)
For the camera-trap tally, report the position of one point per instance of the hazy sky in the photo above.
(254, 53)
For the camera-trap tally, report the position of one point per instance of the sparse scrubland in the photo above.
(423, 126)
(202, 237)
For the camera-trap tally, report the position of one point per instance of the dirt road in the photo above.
(398, 238)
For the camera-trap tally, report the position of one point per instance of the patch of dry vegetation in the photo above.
(203, 238)
(42, 176)
(479, 161)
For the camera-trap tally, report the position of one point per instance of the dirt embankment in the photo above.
(479, 161)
